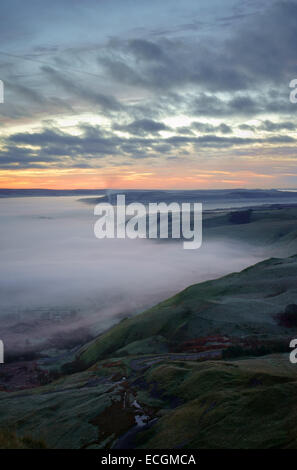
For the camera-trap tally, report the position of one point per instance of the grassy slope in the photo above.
(267, 228)
(9, 440)
(238, 404)
(239, 304)
(248, 403)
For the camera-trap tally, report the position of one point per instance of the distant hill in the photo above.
(219, 196)
(152, 195)
(48, 192)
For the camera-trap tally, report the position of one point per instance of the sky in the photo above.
(148, 94)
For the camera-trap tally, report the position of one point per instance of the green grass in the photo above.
(241, 404)
(9, 440)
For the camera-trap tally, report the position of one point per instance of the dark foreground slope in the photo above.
(163, 402)
(209, 368)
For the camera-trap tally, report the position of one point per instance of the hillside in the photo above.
(208, 368)
(238, 305)
(162, 402)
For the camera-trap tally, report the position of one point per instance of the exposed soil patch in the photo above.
(21, 376)
(288, 318)
(114, 420)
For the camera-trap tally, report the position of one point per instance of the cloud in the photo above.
(94, 144)
(57, 147)
(277, 126)
(207, 128)
(260, 52)
(270, 126)
(72, 86)
(141, 79)
(142, 127)
(146, 50)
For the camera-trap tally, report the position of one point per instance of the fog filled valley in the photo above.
(121, 343)
(60, 285)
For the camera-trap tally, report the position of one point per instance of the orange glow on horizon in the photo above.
(140, 178)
